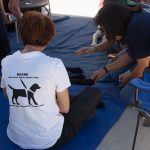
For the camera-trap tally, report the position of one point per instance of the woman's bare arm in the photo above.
(63, 101)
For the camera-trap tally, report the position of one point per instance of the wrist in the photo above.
(130, 76)
(106, 70)
(95, 48)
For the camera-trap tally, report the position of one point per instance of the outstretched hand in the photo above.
(124, 78)
(85, 50)
(14, 8)
(98, 74)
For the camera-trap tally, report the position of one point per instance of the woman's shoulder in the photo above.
(53, 61)
(139, 23)
(143, 16)
(10, 57)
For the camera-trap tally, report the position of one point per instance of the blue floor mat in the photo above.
(92, 131)
(73, 33)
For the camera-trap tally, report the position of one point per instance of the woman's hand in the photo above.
(85, 50)
(98, 74)
(5, 17)
(124, 78)
(14, 8)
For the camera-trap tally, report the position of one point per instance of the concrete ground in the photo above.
(120, 137)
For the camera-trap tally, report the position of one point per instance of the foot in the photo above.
(100, 104)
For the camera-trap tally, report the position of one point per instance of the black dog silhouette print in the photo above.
(29, 93)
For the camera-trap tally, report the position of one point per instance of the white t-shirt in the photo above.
(31, 81)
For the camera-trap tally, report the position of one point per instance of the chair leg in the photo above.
(50, 14)
(17, 34)
(48, 9)
(136, 130)
(137, 102)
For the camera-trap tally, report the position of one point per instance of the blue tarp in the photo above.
(73, 33)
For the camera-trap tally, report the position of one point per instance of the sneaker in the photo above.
(100, 104)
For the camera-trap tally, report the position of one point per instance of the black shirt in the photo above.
(138, 35)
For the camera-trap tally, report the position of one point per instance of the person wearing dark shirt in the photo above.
(138, 35)
(120, 23)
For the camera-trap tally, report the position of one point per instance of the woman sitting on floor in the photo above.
(41, 115)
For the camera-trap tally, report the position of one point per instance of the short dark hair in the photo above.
(114, 19)
(36, 29)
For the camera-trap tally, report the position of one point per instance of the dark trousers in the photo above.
(81, 108)
(4, 41)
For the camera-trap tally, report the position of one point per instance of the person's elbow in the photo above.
(5, 93)
(64, 110)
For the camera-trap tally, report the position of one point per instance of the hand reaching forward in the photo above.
(85, 50)
(98, 74)
(124, 78)
(14, 8)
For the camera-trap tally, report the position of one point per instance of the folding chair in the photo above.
(142, 99)
(33, 4)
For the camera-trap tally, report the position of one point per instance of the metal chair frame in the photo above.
(35, 4)
(142, 113)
